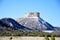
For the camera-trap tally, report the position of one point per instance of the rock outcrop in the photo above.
(34, 21)
(32, 14)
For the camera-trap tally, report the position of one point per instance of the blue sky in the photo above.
(49, 9)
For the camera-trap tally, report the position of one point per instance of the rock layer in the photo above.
(32, 14)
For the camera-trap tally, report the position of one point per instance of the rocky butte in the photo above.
(32, 14)
(31, 21)
(34, 21)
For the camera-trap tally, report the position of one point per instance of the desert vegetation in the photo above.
(10, 31)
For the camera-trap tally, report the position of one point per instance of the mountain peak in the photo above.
(32, 14)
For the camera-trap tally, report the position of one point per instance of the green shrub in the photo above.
(52, 37)
(46, 37)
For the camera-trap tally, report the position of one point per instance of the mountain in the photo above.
(12, 22)
(30, 22)
(34, 21)
(9, 27)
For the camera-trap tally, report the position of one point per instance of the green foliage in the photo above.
(46, 37)
(17, 33)
(10, 31)
(52, 37)
(5, 34)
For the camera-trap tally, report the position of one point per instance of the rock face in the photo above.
(32, 20)
(32, 14)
